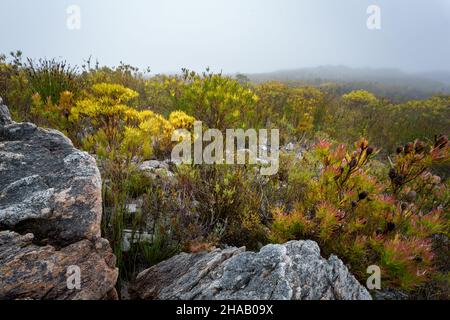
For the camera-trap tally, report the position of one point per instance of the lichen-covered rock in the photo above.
(292, 271)
(50, 213)
(47, 187)
(41, 272)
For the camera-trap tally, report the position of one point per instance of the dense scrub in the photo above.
(382, 203)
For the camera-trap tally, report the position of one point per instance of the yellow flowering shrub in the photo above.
(301, 106)
(180, 120)
(159, 129)
(219, 101)
(118, 128)
(359, 97)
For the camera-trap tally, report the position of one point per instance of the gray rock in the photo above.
(47, 187)
(292, 271)
(156, 169)
(50, 213)
(390, 294)
(153, 164)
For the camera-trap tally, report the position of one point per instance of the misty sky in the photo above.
(232, 35)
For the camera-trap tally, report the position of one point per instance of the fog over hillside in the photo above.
(385, 82)
(441, 76)
(344, 73)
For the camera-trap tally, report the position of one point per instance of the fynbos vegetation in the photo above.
(363, 176)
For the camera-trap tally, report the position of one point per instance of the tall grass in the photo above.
(51, 77)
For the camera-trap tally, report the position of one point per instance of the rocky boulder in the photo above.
(47, 187)
(292, 271)
(29, 271)
(50, 214)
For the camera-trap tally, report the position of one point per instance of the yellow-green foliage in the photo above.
(222, 102)
(295, 111)
(289, 226)
(219, 101)
(48, 114)
(121, 129)
(302, 104)
(121, 136)
(161, 130)
(396, 124)
(105, 104)
(359, 98)
(105, 110)
(272, 97)
(229, 205)
(15, 88)
(50, 77)
(406, 261)
(124, 74)
(180, 120)
(354, 116)
(386, 124)
(364, 210)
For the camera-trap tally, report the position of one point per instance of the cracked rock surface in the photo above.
(50, 214)
(29, 271)
(47, 187)
(292, 271)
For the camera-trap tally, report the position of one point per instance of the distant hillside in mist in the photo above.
(391, 83)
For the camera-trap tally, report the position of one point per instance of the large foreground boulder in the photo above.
(50, 214)
(47, 187)
(292, 271)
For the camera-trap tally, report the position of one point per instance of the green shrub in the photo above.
(15, 88)
(50, 78)
(332, 196)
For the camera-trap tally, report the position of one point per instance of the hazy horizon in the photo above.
(253, 36)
